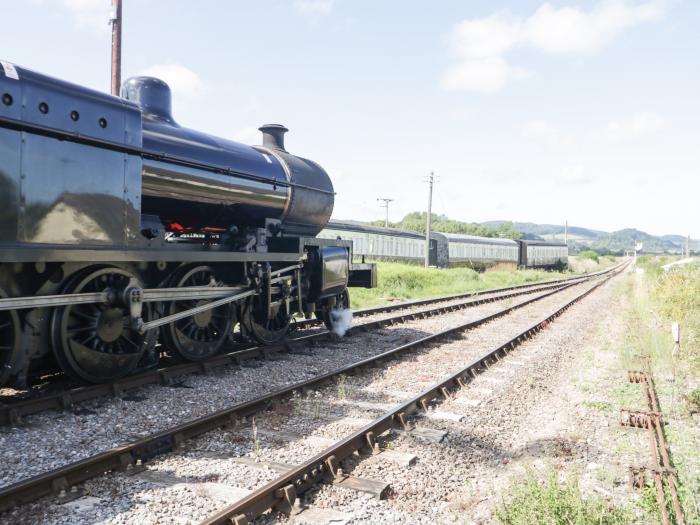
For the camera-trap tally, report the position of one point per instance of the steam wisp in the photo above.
(341, 320)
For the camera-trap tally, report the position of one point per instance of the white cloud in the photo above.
(90, 14)
(634, 127)
(314, 8)
(186, 86)
(184, 83)
(544, 132)
(575, 176)
(481, 74)
(479, 45)
(569, 29)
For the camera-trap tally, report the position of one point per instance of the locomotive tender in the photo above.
(119, 228)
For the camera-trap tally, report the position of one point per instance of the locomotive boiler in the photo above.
(124, 235)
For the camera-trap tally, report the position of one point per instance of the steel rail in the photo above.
(420, 302)
(282, 492)
(122, 457)
(11, 413)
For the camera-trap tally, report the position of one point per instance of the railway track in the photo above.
(125, 457)
(283, 492)
(12, 409)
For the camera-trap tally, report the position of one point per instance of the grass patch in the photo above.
(401, 282)
(590, 254)
(528, 501)
(658, 299)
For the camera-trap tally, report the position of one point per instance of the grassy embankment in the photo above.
(654, 300)
(401, 282)
(660, 298)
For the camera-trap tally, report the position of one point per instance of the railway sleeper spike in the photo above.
(333, 470)
(240, 519)
(287, 496)
(66, 401)
(637, 477)
(370, 447)
(445, 393)
(399, 421)
(58, 485)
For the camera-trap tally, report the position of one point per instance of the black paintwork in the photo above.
(79, 167)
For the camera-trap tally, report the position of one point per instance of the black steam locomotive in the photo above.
(119, 229)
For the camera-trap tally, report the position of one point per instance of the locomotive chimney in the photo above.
(273, 136)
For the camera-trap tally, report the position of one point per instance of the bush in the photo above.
(529, 501)
(589, 254)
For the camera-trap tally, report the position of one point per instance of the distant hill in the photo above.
(602, 241)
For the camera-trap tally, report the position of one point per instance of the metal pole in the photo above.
(566, 232)
(427, 224)
(386, 207)
(116, 20)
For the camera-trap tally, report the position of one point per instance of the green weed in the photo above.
(530, 501)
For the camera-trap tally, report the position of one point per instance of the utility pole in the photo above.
(687, 246)
(115, 20)
(386, 207)
(431, 180)
(566, 232)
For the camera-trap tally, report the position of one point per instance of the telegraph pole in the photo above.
(431, 180)
(386, 207)
(116, 20)
(687, 246)
(566, 232)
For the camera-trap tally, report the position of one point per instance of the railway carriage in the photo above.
(446, 249)
(542, 254)
(389, 244)
(481, 252)
(120, 229)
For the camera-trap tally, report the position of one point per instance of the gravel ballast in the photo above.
(206, 468)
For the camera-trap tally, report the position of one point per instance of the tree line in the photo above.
(441, 223)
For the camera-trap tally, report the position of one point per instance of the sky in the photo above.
(525, 110)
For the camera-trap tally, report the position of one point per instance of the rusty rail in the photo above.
(651, 419)
(11, 413)
(282, 492)
(124, 457)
